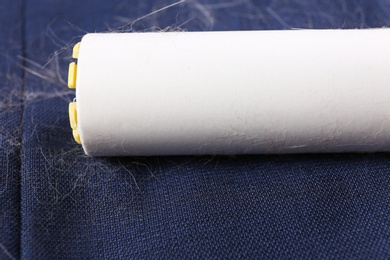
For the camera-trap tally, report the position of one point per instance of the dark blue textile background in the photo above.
(57, 203)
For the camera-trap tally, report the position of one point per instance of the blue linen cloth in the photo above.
(56, 203)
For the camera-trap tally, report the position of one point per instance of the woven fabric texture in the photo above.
(57, 203)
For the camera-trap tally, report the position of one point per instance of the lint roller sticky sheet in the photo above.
(243, 92)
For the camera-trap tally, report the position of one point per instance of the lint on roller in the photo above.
(242, 92)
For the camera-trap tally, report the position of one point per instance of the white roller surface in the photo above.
(182, 93)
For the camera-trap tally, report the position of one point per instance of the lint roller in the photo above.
(240, 92)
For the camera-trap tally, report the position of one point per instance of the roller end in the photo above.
(73, 121)
(72, 78)
(76, 49)
(76, 136)
(72, 74)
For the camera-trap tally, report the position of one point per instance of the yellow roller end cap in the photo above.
(73, 115)
(72, 75)
(76, 49)
(76, 136)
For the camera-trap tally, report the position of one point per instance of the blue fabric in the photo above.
(57, 203)
(11, 109)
